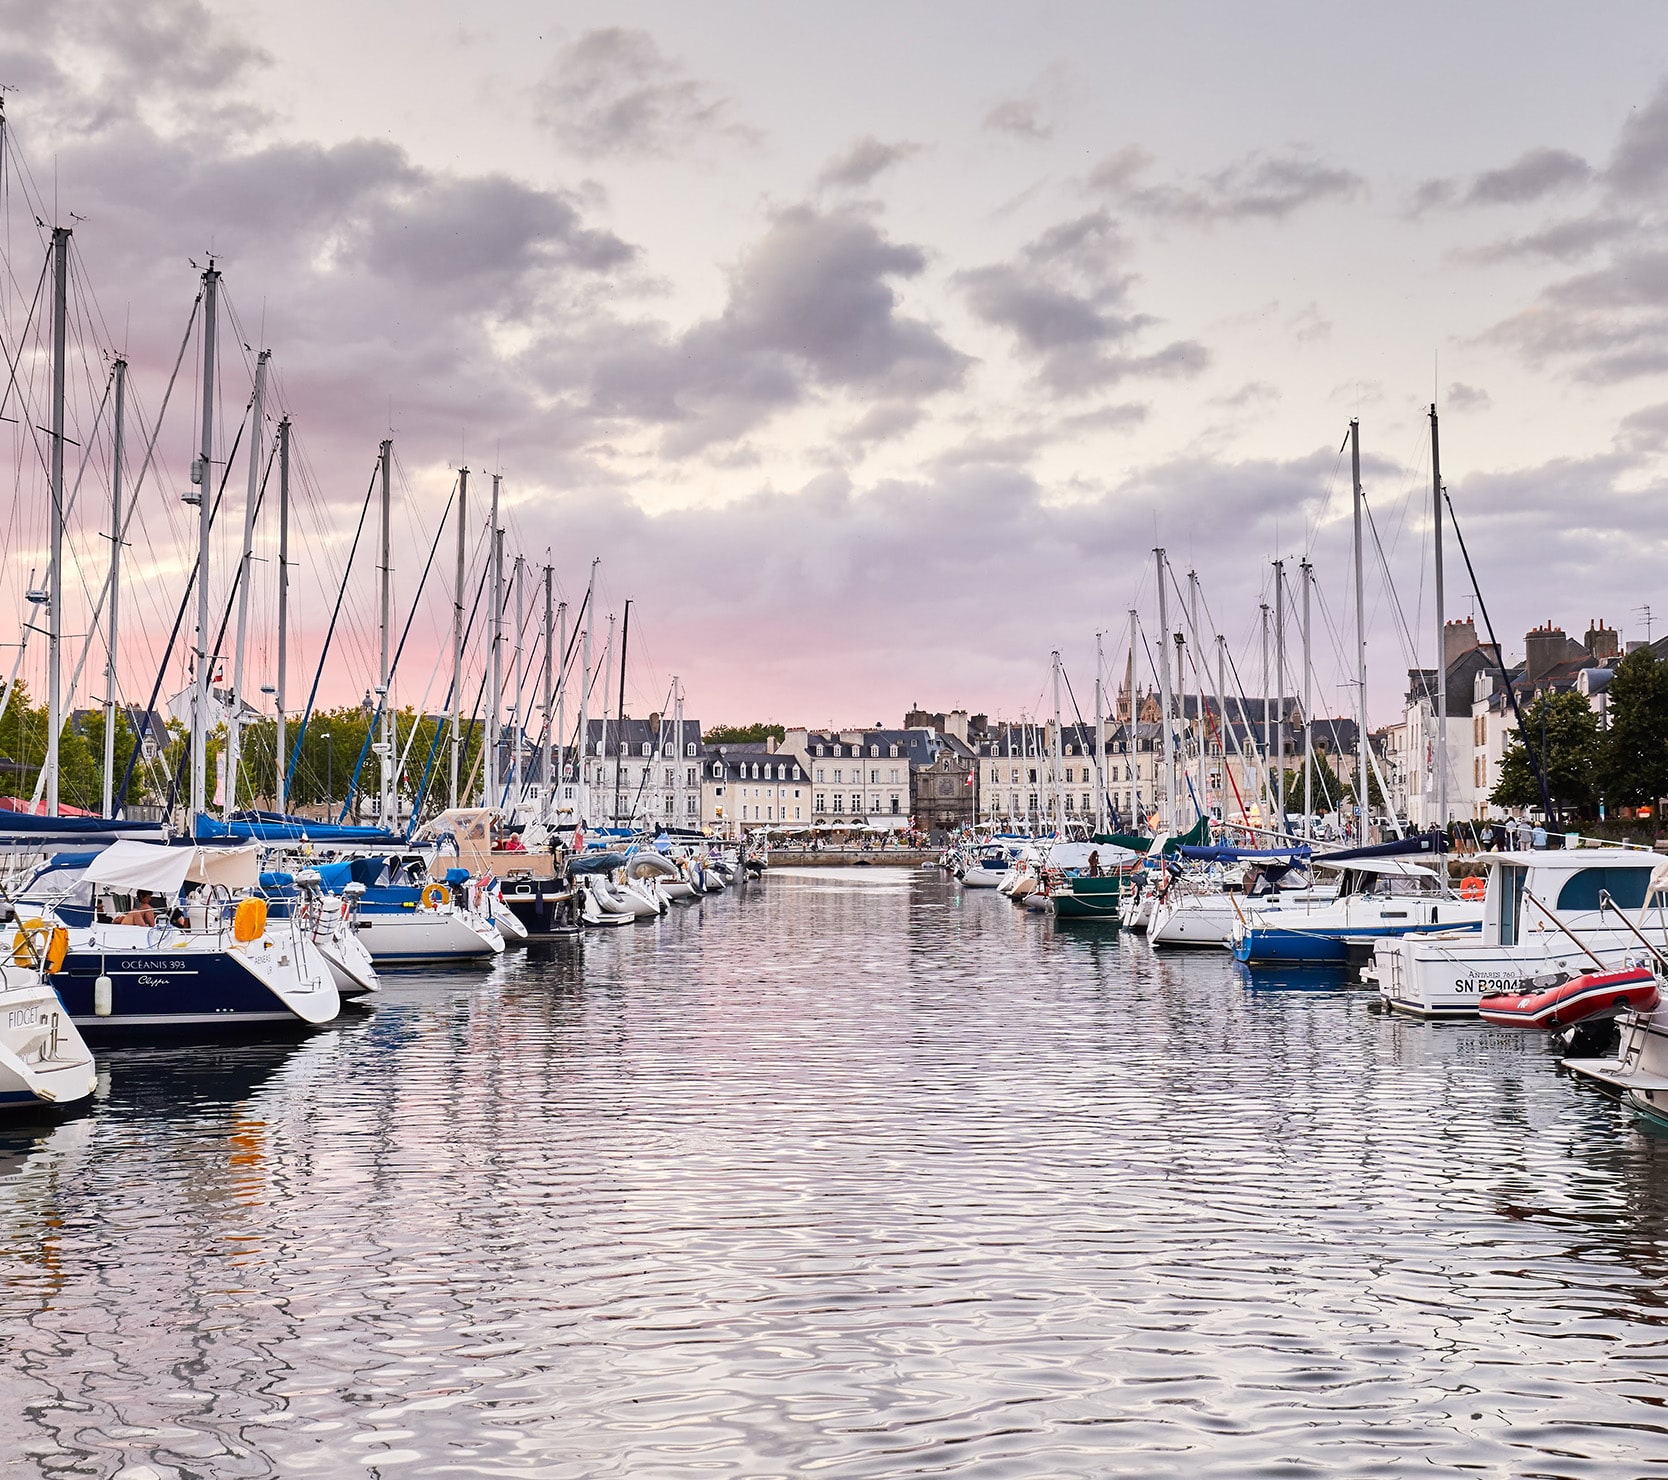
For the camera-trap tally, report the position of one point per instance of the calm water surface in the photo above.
(843, 1175)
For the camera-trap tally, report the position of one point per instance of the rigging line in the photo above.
(1536, 761)
(1409, 651)
(23, 334)
(324, 652)
(453, 698)
(168, 654)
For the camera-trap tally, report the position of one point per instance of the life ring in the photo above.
(435, 895)
(26, 944)
(1472, 888)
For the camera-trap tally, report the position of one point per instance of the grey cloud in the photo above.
(1644, 432)
(812, 305)
(1532, 176)
(1019, 118)
(1562, 241)
(881, 423)
(1066, 300)
(1117, 170)
(1252, 393)
(1122, 416)
(614, 92)
(1257, 187)
(859, 165)
(1639, 163)
(1461, 397)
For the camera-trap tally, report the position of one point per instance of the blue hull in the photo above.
(161, 990)
(1317, 948)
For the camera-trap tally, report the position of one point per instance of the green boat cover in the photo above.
(1196, 836)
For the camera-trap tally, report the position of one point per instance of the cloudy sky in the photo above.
(872, 350)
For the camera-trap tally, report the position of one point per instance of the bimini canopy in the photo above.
(24, 830)
(131, 865)
(466, 824)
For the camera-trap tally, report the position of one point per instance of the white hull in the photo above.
(981, 878)
(445, 934)
(43, 1059)
(1447, 976)
(1193, 920)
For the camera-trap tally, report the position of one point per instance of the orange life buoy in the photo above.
(436, 895)
(31, 936)
(1472, 888)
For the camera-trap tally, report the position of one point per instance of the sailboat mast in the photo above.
(1132, 742)
(112, 630)
(1265, 786)
(561, 695)
(1441, 634)
(202, 476)
(1100, 741)
(1280, 694)
(1056, 774)
(234, 718)
(1361, 791)
(551, 659)
(607, 694)
(280, 750)
(584, 769)
(518, 725)
(457, 630)
(1200, 731)
(495, 651)
(677, 740)
(385, 574)
(619, 729)
(1308, 710)
(55, 572)
(1164, 696)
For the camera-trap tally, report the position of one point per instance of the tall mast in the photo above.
(607, 675)
(495, 651)
(1164, 696)
(1222, 721)
(1308, 709)
(280, 751)
(111, 632)
(202, 476)
(1200, 729)
(561, 694)
(584, 769)
(1059, 815)
(1280, 694)
(55, 572)
(457, 628)
(1100, 742)
(385, 572)
(1133, 742)
(1441, 634)
(619, 729)
(518, 724)
(1361, 792)
(551, 659)
(1265, 785)
(234, 720)
(677, 742)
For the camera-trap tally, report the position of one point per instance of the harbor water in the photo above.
(844, 1173)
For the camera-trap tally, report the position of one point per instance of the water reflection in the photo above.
(847, 1173)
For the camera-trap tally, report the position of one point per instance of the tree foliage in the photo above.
(1635, 762)
(1563, 729)
(754, 734)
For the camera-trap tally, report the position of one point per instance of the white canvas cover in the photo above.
(466, 824)
(129, 865)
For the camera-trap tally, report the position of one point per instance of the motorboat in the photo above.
(1638, 1072)
(1377, 898)
(1547, 915)
(544, 907)
(1202, 910)
(986, 867)
(215, 957)
(1578, 999)
(44, 1060)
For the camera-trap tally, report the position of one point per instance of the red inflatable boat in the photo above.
(1598, 994)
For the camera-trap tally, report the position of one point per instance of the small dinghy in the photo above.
(1581, 998)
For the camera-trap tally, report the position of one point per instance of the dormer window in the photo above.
(718, 769)
(819, 750)
(647, 748)
(894, 752)
(874, 750)
(689, 749)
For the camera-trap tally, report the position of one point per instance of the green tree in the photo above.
(1564, 732)
(1635, 748)
(754, 734)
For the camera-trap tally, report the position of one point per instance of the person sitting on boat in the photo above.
(1094, 863)
(142, 912)
(179, 917)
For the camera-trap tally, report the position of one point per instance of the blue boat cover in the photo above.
(278, 827)
(1223, 853)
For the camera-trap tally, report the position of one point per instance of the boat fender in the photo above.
(435, 895)
(32, 936)
(103, 997)
(249, 921)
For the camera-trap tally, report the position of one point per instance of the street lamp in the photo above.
(329, 778)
